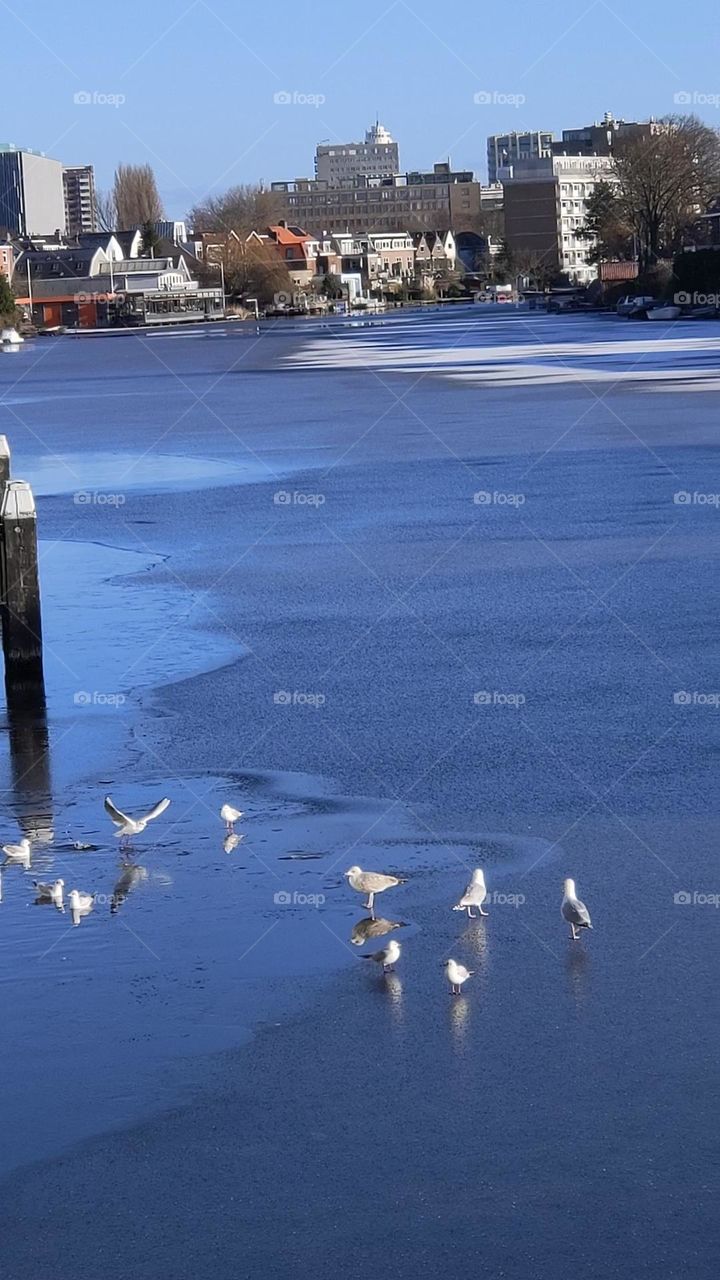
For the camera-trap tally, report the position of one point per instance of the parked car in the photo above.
(632, 304)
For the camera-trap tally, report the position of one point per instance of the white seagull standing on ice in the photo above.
(18, 852)
(456, 975)
(370, 882)
(129, 827)
(50, 892)
(387, 956)
(574, 911)
(230, 816)
(81, 904)
(474, 895)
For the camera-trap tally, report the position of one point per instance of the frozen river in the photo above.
(421, 593)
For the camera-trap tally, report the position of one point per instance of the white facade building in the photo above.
(576, 178)
(377, 156)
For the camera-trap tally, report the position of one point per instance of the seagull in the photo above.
(474, 895)
(574, 911)
(81, 904)
(386, 957)
(369, 928)
(129, 827)
(456, 975)
(50, 892)
(370, 882)
(230, 816)
(80, 846)
(18, 852)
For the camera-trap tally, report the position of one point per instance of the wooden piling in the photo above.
(21, 620)
(4, 463)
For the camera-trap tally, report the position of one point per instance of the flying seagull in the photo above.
(370, 882)
(18, 852)
(474, 895)
(129, 827)
(386, 957)
(574, 911)
(50, 892)
(230, 816)
(456, 975)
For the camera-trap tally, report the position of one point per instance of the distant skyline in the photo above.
(195, 87)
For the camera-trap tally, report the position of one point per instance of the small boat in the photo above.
(10, 338)
(666, 311)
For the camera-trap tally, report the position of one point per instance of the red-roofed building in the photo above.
(298, 250)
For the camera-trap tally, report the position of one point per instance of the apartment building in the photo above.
(604, 137)
(32, 199)
(504, 149)
(402, 202)
(338, 162)
(545, 207)
(80, 202)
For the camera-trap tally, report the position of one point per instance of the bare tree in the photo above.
(249, 207)
(105, 214)
(665, 180)
(135, 196)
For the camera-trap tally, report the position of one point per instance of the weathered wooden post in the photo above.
(21, 621)
(4, 463)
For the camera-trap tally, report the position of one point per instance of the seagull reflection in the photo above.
(131, 876)
(394, 991)
(475, 939)
(232, 840)
(369, 928)
(459, 1019)
(577, 962)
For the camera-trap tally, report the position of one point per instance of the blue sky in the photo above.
(189, 85)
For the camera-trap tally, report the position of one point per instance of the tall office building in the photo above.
(377, 157)
(32, 199)
(505, 149)
(80, 204)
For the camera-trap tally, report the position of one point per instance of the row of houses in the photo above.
(105, 279)
(364, 263)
